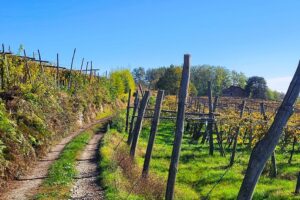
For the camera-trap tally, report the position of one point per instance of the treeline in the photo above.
(168, 79)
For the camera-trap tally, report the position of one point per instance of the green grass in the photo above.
(63, 171)
(198, 172)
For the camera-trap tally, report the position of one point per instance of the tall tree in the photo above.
(139, 75)
(256, 87)
(170, 81)
(153, 75)
(238, 79)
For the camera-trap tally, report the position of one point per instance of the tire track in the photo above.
(86, 186)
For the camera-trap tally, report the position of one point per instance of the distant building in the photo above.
(234, 91)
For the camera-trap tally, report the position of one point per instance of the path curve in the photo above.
(86, 186)
(26, 185)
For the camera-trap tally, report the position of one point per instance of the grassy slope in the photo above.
(63, 171)
(198, 172)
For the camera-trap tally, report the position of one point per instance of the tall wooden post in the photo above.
(154, 124)
(265, 147)
(136, 104)
(210, 123)
(40, 60)
(138, 124)
(141, 90)
(183, 92)
(236, 135)
(27, 68)
(91, 71)
(57, 70)
(297, 190)
(216, 101)
(81, 66)
(128, 110)
(71, 68)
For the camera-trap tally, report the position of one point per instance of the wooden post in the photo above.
(57, 70)
(128, 110)
(70, 77)
(81, 66)
(293, 150)
(236, 135)
(91, 71)
(136, 104)
(264, 148)
(297, 190)
(215, 103)
(184, 87)
(234, 147)
(211, 117)
(27, 68)
(141, 90)
(274, 166)
(154, 124)
(40, 60)
(138, 124)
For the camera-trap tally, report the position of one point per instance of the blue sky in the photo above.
(255, 37)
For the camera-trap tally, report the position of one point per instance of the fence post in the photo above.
(81, 66)
(70, 77)
(40, 60)
(57, 70)
(153, 130)
(297, 190)
(236, 135)
(128, 110)
(27, 68)
(138, 123)
(91, 71)
(211, 118)
(184, 86)
(136, 104)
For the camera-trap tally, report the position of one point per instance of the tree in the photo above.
(256, 87)
(219, 76)
(238, 79)
(153, 75)
(170, 81)
(139, 75)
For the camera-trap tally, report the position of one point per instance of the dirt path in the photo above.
(86, 186)
(26, 185)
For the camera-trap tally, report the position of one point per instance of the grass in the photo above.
(198, 172)
(63, 171)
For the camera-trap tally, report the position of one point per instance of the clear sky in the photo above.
(257, 37)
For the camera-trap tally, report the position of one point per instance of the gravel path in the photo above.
(86, 187)
(25, 187)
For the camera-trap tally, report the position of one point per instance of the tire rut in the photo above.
(86, 186)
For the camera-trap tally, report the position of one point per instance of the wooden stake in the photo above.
(128, 110)
(136, 104)
(138, 123)
(153, 130)
(70, 77)
(184, 87)
(57, 70)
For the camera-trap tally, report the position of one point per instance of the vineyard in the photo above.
(158, 146)
(232, 127)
